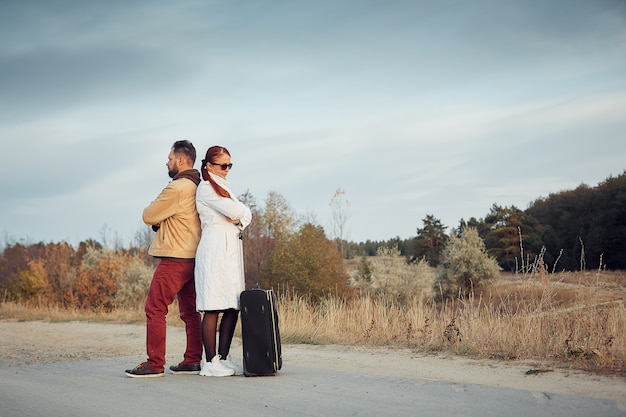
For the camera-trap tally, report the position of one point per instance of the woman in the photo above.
(219, 261)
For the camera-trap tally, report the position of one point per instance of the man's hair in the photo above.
(185, 148)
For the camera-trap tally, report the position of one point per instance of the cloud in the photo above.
(413, 108)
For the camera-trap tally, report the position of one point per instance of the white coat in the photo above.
(219, 276)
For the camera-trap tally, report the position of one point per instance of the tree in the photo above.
(308, 263)
(477, 224)
(340, 214)
(465, 264)
(278, 218)
(502, 238)
(31, 283)
(364, 271)
(60, 263)
(568, 214)
(270, 224)
(430, 240)
(14, 258)
(369, 247)
(605, 243)
(19, 265)
(140, 245)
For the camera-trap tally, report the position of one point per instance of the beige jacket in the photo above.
(174, 211)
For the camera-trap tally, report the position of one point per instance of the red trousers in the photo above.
(172, 278)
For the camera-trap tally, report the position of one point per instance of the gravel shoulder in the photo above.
(30, 343)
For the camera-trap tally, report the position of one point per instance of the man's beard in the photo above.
(172, 172)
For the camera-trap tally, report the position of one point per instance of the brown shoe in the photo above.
(186, 368)
(143, 370)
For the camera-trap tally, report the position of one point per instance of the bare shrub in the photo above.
(389, 275)
(133, 283)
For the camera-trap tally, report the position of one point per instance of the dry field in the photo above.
(566, 320)
(574, 320)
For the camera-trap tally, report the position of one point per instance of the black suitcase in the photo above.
(259, 333)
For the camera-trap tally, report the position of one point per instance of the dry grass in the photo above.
(32, 312)
(576, 320)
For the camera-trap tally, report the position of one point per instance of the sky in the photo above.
(412, 108)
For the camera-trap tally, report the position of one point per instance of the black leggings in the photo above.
(227, 330)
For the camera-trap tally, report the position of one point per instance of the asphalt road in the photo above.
(100, 388)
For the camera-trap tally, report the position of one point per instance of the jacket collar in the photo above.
(190, 174)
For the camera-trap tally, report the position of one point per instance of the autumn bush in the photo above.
(30, 283)
(89, 278)
(39, 272)
(308, 263)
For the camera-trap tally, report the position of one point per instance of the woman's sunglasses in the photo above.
(223, 166)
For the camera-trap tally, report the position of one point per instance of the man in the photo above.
(174, 217)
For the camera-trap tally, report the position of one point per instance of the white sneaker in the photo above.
(215, 368)
(203, 368)
(228, 362)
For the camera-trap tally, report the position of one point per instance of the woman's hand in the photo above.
(231, 220)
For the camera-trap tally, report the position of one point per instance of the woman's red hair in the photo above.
(212, 153)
